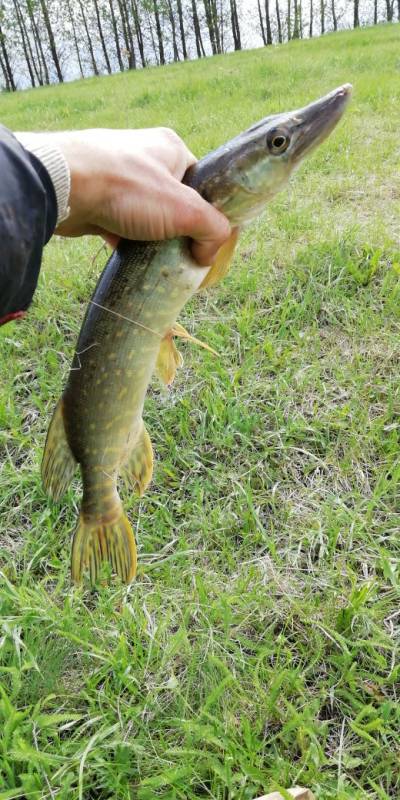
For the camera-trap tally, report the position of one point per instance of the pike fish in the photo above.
(129, 327)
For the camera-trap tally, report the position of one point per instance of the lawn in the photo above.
(258, 646)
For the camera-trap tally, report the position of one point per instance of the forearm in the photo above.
(29, 209)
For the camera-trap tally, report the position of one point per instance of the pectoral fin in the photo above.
(169, 358)
(222, 262)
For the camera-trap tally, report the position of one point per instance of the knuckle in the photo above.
(171, 136)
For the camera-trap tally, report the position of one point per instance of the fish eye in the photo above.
(278, 141)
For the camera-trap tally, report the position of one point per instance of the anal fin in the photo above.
(59, 464)
(139, 466)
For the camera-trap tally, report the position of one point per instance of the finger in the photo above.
(203, 223)
(111, 238)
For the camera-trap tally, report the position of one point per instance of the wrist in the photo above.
(51, 156)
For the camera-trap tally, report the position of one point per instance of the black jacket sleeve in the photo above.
(28, 216)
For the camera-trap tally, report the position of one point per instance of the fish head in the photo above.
(240, 177)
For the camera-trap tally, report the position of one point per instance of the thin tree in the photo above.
(356, 17)
(138, 30)
(26, 46)
(89, 39)
(278, 22)
(289, 22)
(182, 28)
(75, 38)
(127, 31)
(116, 36)
(268, 23)
(334, 16)
(5, 74)
(376, 11)
(235, 26)
(173, 30)
(153, 41)
(52, 42)
(38, 40)
(101, 34)
(6, 65)
(310, 28)
(197, 31)
(260, 16)
(296, 26)
(389, 10)
(322, 13)
(159, 32)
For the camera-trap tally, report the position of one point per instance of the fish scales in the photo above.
(145, 286)
(128, 328)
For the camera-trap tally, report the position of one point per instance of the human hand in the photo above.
(127, 183)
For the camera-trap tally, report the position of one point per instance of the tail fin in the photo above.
(59, 464)
(96, 541)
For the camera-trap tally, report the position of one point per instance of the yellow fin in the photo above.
(179, 330)
(139, 467)
(169, 359)
(222, 262)
(96, 541)
(59, 464)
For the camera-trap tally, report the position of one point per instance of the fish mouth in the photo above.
(316, 121)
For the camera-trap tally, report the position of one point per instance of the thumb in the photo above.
(202, 223)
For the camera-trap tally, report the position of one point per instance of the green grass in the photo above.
(259, 645)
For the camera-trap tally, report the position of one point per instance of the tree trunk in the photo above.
(5, 74)
(278, 21)
(310, 29)
(322, 8)
(7, 66)
(334, 17)
(101, 34)
(116, 37)
(52, 43)
(123, 10)
(261, 23)
(159, 32)
(25, 43)
(376, 11)
(389, 10)
(219, 35)
(153, 41)
(356, 18)
(138, 31)
(289, 23)
(89, 40)
(296, 27)
(268, 23)
(235, 26)
(38, 42)
(398, 10)
(78, 55)
(182, 29)
(173, 30)
(199, 42)
(211, 33)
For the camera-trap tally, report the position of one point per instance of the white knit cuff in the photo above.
(56, 165)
